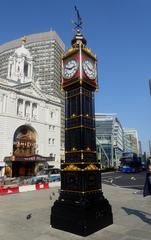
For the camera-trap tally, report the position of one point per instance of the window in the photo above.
(51, 114)
(51, 140)
(34, 110)
(26, 69)
(10, 72)
(20, 107)
(27, 109)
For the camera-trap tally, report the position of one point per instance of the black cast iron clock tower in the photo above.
(81, 207)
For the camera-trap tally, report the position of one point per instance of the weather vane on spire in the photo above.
(78, 23)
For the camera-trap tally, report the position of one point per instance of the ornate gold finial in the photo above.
(23, 40)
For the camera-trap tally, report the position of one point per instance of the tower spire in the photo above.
(78, 38)
(78, 23)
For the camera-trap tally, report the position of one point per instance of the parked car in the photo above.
(54, 175)
(38, 179)
(47, 175)
(54, 178)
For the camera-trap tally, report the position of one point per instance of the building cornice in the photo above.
(17, 89)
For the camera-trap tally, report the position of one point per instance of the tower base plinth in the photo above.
(81, 218)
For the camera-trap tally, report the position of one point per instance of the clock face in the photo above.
(89, 69)
(70, 68)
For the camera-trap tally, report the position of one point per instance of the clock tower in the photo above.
(81, 207)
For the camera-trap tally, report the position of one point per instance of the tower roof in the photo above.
(78, 39)
(22, 51)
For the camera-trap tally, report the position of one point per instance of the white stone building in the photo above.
(47, 49)
(29, 120)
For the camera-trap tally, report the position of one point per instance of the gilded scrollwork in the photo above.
(72, 167)
(91, 167)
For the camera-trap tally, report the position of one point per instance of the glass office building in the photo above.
(109, 133)
(131, 136)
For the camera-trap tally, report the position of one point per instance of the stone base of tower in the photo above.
(81, 218)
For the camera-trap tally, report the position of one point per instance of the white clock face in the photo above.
(89, 69)
(70, 68)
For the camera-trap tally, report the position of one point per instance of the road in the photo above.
(126, 180)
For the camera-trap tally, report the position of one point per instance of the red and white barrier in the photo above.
(42, 186)
(9, 190)
(27, 188)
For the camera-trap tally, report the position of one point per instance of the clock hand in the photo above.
(70, 67)
(90, 67)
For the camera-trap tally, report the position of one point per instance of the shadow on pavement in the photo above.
(140, 214)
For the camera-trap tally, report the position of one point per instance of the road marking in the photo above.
(118, 177)
(133, 178)
(107, 181)
(132, 186)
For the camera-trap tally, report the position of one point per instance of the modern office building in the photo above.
(29, 119)
(46, 50)
(140, 148)
(131, 136)
(109, 133)
(127, 143)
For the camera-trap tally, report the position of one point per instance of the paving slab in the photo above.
(131, 213)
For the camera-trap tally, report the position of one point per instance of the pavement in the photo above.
(131, 213)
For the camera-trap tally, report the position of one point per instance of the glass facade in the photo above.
(131, 141)
(109, 134)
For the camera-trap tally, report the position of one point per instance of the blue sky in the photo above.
(118, 31)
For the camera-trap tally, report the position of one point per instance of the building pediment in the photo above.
(31, 90)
